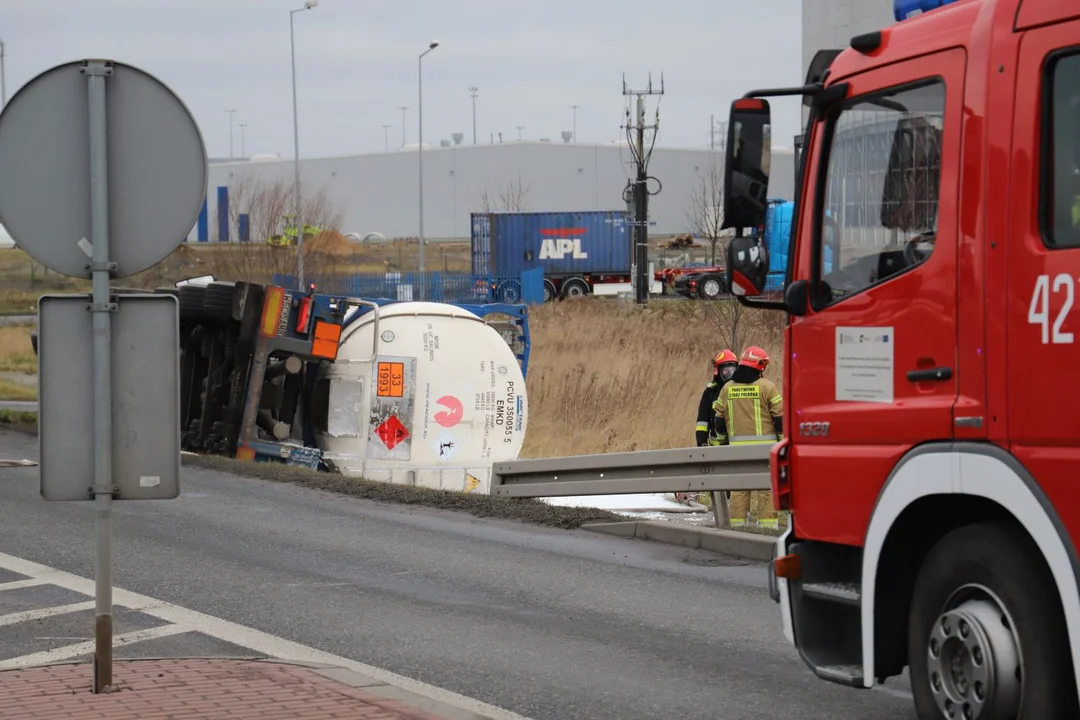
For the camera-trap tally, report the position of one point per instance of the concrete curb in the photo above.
(384, 690)
(760, 548)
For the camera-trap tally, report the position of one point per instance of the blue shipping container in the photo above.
(778, 233)
(595, 242)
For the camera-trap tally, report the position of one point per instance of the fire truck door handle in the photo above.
(938, 373)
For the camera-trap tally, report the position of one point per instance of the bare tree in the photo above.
(726, 314)
(512, 195)
(705, 215)
(270, 248)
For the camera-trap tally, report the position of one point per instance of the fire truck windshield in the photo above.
(881, 187)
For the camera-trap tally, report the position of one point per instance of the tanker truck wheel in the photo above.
(191, 301)
(986, 632)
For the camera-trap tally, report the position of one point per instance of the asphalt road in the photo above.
(543, 622)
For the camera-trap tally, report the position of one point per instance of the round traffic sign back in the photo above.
(157, 169)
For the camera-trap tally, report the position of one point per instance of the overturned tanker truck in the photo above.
(415, 393)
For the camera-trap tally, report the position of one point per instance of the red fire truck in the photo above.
(932, 459)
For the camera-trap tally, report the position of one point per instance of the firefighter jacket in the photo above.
(749, 412)
(705, 429)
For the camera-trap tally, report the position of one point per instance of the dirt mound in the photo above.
(331, 242)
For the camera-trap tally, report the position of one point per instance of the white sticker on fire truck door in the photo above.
(864, 364)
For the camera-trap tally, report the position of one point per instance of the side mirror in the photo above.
(746, 163)
(747, 266)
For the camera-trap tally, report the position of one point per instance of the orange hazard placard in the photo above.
(391, 379)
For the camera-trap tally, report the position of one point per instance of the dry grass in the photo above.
(16, 352)
(608, 376)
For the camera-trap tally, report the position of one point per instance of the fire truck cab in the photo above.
(933, 463)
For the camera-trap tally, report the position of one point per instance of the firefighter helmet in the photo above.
(755, 357)
(724, 364)
(723, 358)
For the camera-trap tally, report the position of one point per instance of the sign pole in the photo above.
(101, 271)
(98, 211)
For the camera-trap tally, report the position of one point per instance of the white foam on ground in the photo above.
(626, 504)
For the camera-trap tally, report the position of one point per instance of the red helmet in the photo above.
(755, 357)
(724, 357)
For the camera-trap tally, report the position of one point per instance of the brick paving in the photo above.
(192, 689)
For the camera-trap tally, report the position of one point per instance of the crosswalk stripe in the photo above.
(39, 613)
(68, 652)
(29, 582)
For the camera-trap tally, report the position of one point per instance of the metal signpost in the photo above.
(102, 174)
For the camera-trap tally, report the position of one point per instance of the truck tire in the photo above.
(218, 300)
(550, 293)
(986, 632)
(574, 287)
(509, 291)
(710, 287)
(191, 301)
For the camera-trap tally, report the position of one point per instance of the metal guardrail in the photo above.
(19, 406)
(651, 471)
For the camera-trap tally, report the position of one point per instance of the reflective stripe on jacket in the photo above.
(748, 410)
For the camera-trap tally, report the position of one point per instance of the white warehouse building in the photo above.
(378, 192)
(829, 24)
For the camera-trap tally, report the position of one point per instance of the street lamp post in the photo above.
(230, 132)
(3, 77)
(243, 150)
(420, 155)
(296, 147)
(386, 138)
(473, 92)
(574, 108)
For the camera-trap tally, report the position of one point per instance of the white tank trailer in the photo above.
(432, 396)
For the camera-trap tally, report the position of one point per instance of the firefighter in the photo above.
(749, 411)
(724, 365)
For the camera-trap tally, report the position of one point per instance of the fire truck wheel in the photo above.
(986, 633)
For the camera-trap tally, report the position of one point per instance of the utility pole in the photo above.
(519, 129)
(386, 138)
(717, 130)
(403, 108)
(640, 191)
(473, 92)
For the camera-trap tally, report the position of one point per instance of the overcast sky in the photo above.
(357, 63)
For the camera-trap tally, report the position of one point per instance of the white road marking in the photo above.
(16, 584)
(27, 615)
(67, 652)
(184, 620)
